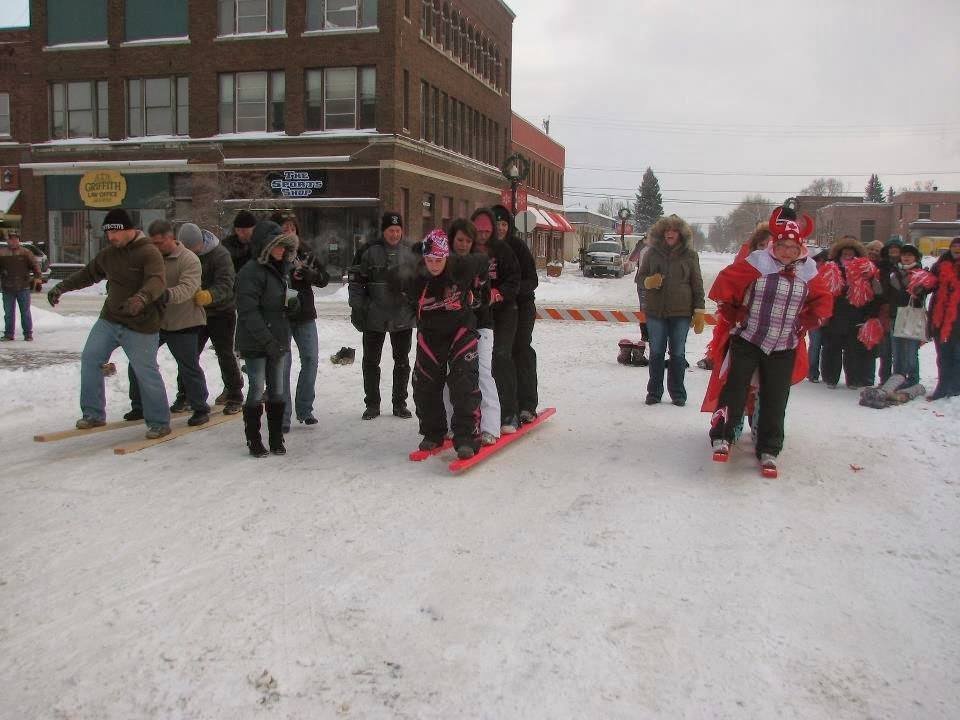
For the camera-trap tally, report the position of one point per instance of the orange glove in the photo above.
(697, 321)
(202, 298)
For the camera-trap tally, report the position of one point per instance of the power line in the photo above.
(711, 173)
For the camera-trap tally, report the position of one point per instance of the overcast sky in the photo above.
(826, 88)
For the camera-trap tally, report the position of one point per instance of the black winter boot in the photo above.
(251, 428)
(275, 427)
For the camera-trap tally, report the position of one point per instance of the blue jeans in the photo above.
(670, 331)
(183, 347)
(265, 376)
(816, 343)
(141, 352)
(10, 299)
(906, 359)
(948, 368)
(304, 334)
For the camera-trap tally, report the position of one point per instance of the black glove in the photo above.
(358, 319)
(273, 350)
(53, 295)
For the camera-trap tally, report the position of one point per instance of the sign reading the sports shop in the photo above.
(103, 189)
(298, 183)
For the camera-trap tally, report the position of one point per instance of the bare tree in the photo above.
(919, 186)
(610, 206)
(699, 239)
(823, 187)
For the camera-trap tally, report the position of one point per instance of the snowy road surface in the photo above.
(602, 567)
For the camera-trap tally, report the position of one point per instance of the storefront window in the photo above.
(76, 235)
(335, 234)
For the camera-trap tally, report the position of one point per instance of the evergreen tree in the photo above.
(648, 206)
(874, 191)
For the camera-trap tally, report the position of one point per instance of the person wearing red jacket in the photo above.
(770, 300)
(945, 321)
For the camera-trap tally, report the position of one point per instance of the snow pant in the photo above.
(372, 350)
(641, 297)
(12, 300)
(813, 353)
(670, 331)
(906, 359)
(847, 352)
(948, 368)
(304, 334)
(489, 399)
(265, 375)
(504, 371)
(219, 330)
(775, 370)
(141, 352)
(183, 347)
(452, 360)
(885, 352)
(525, 358)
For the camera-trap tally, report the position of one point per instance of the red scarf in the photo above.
(944, 310)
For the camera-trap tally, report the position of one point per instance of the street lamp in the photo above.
(624, 214)
(515, 168)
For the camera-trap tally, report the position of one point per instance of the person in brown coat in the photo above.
(674, 301)
(19, 274)
(130, 319)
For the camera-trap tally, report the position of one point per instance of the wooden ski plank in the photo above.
(115, 425)
(487, 450)
(139, 445)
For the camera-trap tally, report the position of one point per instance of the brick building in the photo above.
(544, 187)
(192, 109)
(904, 217)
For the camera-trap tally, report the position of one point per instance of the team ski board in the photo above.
(176, 432)
(421, 455)
(115, 425)
(486, 451)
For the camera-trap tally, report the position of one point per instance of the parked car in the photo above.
(39, 254)
(603, 257)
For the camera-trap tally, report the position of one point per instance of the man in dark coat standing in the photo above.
(216, 297)
(238, 243)
(377, 307)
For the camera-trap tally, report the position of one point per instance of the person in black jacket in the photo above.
(239, 242)
(524, 356)
(446, 344)
(263, 332)
(377, 308)
(889, 259)
(308, 272)
(504, 275)
(216, 297)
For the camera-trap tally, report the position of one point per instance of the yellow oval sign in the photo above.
(103, 188)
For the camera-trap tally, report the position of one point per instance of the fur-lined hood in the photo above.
(288, 242)
(670, 222)
(848, 242)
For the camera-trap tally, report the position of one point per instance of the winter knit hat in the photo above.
(189, 235)
(245, 219)
(501, 214)
(910, 250)
(436, 244)
(118, 219)
(391, 219)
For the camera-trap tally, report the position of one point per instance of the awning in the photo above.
(561, 222)
(7, 199)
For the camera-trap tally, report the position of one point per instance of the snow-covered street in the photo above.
(602, 567)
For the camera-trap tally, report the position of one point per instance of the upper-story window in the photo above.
(341, 14)
(158, 106)
(341, 98)
(79, 109)
(252, 101)
(69, 21)
(238, 17)
(149, 19)
(923, 212)
(4, 114)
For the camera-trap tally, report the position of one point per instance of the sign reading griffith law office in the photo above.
(298, 183)
(103, 189)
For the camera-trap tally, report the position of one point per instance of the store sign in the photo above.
(103, 189)
(298, 183)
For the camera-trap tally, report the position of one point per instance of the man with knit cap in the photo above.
(216, 297)
(238, 242)
(130, 319)
(377, 307)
